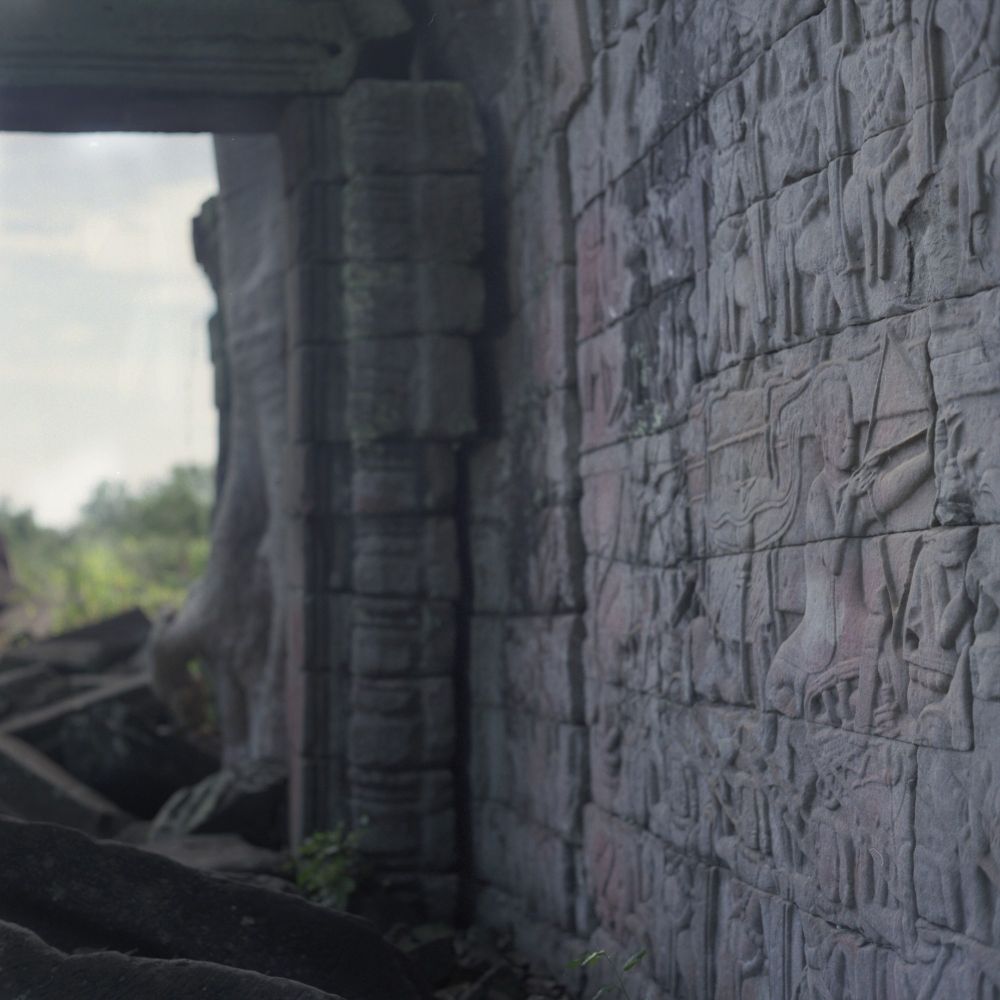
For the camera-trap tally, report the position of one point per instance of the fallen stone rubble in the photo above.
(83, 739)
(192, 896)
(31, 969)
(76, 894)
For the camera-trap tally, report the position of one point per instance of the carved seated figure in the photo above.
(821, 661)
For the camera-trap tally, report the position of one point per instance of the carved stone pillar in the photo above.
(386, 224)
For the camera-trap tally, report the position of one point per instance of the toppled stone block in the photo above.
(29, 968)
(36, 788)
(92, 647)
(23, 689)
(118, 740)
(76, 893)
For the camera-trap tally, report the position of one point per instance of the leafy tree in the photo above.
(129, 548)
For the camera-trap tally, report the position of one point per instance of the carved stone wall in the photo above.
(735, 645)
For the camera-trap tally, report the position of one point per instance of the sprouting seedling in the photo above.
(601, 955)
(328, 866)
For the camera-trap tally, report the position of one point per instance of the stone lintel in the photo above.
(72, 64)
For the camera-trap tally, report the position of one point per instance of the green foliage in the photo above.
(143, 548)
(630, 963)
(177, 507)
(328, 867)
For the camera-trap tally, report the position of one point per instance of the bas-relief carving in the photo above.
(841, 502)
(965, 61)
(826, 593)
(801, 702)
(824, 151)
(810, 889)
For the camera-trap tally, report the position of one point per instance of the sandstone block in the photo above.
(403, 478)
(30, 968)
(76, 893)
(406, 557)
(315, 295)
(395, 298)
(528, 861)
(402, 723)
(421, 388)
(396, 218)
(401, 638)
(543, 667)
(393, 127)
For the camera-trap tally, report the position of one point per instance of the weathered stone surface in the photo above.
(741, 403)
(410, 386)
(403, 478)
(89, 648)
(249, 799)
(117, 739)
(390, 127)
(529, 861)
(31, 970)
(412, 819)
(778, 225)
(402, 722)
(36, 788)
(393, 298)
(406, 557)
(401, 638)
(77, 893)
(226, 853)
(275, 51)
(429, 217)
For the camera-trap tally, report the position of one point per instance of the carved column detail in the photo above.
(386, 221)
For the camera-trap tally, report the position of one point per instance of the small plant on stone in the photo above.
(328, 866)
(630, 963)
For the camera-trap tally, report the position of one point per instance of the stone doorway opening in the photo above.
(108, 383)
(108, 472)
(375, 239)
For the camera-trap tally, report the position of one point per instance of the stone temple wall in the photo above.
(735, 644)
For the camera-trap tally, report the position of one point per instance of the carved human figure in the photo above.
(937, 634)
(744, 975)
(957, 856)
(983, 585)
(793, 122)
(973, 120)
(673, 798)
(832, 842)
(876, 74)
(954, 465)
(822, 657)
(737, 293)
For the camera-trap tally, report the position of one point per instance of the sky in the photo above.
(104, 369)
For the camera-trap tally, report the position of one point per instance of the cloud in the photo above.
(58, 488)
(103, 325)
(151, 237)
